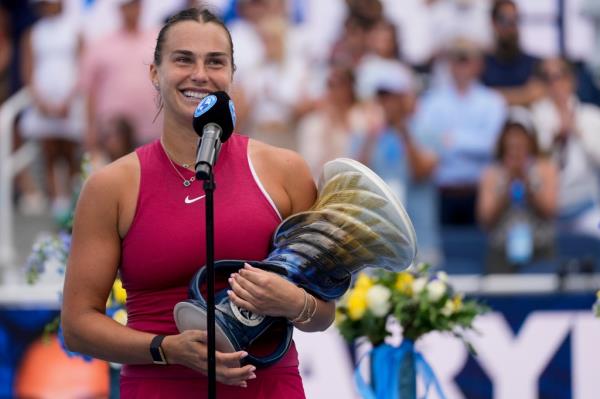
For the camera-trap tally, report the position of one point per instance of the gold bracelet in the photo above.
(304, 308)
(312, 313)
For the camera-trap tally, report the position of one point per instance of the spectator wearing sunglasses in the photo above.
(507, 68)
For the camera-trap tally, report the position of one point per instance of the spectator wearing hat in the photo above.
(508, 68)
(405, 161)
(569, 130)
(465, 117)
(518, 198)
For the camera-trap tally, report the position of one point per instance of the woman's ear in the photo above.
(153, 72)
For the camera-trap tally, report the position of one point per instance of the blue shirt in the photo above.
(499, 73)
(466, 127)
(389, 161)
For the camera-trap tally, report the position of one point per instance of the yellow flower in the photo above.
(357, 303)
(404, 282)
(120, 316)
(363, 282)
(339, 317)
(457, 302)
(119, 292)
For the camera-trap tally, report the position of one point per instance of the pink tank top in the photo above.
(165, 245)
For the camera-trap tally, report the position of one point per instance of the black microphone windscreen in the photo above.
(215, 108)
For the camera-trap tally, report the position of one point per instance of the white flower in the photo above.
(378, 300)
(448, 308)
(435, 290)
(442, 276)
(121, 316)
(419, 284)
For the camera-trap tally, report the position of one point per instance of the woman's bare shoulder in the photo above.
(116, 175)
(288, 169)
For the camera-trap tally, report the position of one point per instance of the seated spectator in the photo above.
(50, 69)
(465, 117)
(518, 198)
(382, 46)
(569, 130)
(115, 77)
(507, 68)
(270, 96)
(326, 132)
(351, 45)
(406, 161)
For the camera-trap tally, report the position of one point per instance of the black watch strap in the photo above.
(158, 356)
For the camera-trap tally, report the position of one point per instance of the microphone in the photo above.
(214, 120)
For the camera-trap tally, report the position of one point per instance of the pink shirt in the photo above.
(164, 248)
(116, 69)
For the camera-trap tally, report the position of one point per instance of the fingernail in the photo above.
(252, 376)
(244, 385)
(230, 280)
(252, 368)
(229, 292)
(243, 355)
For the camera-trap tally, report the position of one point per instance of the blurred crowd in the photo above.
(480, 114)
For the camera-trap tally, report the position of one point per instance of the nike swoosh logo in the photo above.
(189, 200)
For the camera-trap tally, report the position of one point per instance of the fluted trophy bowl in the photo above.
(356, 222)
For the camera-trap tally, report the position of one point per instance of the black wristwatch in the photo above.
(158, 356)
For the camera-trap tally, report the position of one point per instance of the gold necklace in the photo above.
(186, 182)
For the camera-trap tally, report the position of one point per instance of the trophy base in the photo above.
(192, 317)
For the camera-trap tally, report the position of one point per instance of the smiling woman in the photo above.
(136, 218)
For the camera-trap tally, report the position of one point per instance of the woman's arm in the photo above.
(92, 266)
(492, 198)
(544, 194)
(289, 182)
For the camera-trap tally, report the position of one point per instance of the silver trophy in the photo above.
(356, 222)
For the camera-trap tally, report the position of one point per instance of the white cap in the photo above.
(393, 77)
(123, 2)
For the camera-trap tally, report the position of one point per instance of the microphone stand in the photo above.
(209, 188)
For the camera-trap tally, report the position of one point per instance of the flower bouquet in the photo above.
(421, 303)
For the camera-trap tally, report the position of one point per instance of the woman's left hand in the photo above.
(266, 293)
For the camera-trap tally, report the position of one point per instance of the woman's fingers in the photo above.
(235, 375)
(247, 288)
(242, 303)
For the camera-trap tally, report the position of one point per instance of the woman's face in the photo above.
(382, 41)
(516, 147)
(340, 87)
(557, 78)
(196, 60)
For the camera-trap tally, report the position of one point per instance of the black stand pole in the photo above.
(209, 188)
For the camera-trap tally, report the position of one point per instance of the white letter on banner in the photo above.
(585, 352)
(515, 365)
(447, 357)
